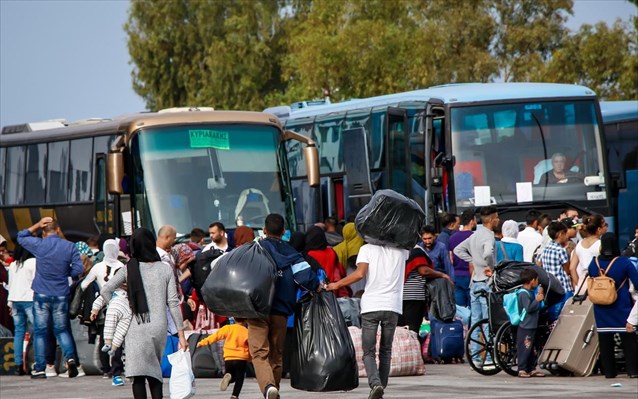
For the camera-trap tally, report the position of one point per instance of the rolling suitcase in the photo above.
(573, 344)
(447, 339)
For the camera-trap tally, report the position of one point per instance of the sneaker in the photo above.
(223, 385)
(106, 375)
(118, 381)
(80, 372)
(376, 392)
(38, 374)
(50, 371)
(272, 392)
(20, 370)
(233, 397)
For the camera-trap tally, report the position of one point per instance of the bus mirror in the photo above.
(311, 156)
(115, 172)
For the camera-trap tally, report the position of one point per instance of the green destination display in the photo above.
(206, 138)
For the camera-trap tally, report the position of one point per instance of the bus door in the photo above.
(397, 168)
(104, 205)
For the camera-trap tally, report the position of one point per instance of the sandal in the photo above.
(523, 374)
(537, 374)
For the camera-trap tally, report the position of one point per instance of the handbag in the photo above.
(602, 290)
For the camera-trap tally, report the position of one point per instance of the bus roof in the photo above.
(616, 111)
(131, 122)
(460, 93)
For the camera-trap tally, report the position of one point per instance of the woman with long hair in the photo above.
(612, 319)
(594, 226)
(151, 287)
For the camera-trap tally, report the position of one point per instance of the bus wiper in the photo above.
(217, 181)
(540, 129)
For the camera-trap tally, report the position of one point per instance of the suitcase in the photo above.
(447, 339)
(573, 343)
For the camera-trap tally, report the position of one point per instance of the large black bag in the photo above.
(200, 269)
(242, 283)
(323, 356)
(390, 219)
(443, 304)
(206, 361)
(508, 275)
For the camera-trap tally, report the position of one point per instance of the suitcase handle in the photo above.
(588, 336)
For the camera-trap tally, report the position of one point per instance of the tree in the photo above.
(599, 57)
(210, 53)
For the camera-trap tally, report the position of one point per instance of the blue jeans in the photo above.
(369, 324)
(462, 290)
(22, 312)
(55, 308)
(478, 307)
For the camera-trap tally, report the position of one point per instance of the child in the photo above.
(527, 327)
(117, 319)
(236, 355)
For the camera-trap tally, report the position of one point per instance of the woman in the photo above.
(243, 235)
(612, 319)
(151, 287)
(347, 252)
(316, 246)
(508, 248)
(20, 299)
(594, 227)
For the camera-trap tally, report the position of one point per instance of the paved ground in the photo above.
(440, 382)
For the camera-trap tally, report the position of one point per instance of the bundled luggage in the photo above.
(573, 343)
(508, 275)
(323, 356)
(242, 283)
(200, 269)
(390, 219)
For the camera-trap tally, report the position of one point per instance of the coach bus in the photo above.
(456, 147)
(184, 167)
(621, 137)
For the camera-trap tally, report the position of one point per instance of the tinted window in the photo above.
(36, 173)
(294, 148)
(58, 172)
(16, 157)
(80, 170)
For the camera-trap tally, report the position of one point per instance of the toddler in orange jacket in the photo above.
(236, 354)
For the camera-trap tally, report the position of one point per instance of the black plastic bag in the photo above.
(200, 269)
(508, 275)
(323, 357)
(242, 283)
(390, 219)
(443, 304)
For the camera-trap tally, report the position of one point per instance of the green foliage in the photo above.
(250, 54)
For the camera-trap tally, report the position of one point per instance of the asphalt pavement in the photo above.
(453, 381)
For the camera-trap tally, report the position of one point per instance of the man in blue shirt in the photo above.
(437, 251)
(56, 260)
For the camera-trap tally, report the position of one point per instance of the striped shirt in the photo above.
(414, 287)
(553, 258)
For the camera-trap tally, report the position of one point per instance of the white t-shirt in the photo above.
(384, 280)
(530, 239)
(585, 255)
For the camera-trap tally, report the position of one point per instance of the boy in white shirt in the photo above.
(381, 304)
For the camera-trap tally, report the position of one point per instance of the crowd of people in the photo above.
(146, 286)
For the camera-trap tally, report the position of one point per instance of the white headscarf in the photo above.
(111, 250)
(510, 229)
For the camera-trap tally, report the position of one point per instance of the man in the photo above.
(559, 173)
(217, 233)
(381, 304)
(196, 241)
(530, 238)
(266, 336)
(461, 267)
(478, 251)
(166, 236)
(57, 260)
(436, 250)
(451, 223)
(332, 235)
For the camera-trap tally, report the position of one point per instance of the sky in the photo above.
(68, 58)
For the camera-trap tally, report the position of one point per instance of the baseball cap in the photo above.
(571, 223)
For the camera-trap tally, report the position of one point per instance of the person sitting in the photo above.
(559, 174)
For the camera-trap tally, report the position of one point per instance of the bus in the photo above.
(186, 167)
(455, 147)
(621, 137)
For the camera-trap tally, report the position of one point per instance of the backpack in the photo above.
(200, 269)
(510, 303)
(602, 290)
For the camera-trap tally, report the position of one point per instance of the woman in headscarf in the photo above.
(347, 252)
(101, 272)
(151, 287)
(316, 246)
(612, 319)
(508, 247)
(243, 235)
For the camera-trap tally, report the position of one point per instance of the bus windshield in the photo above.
(526, 152)
(191, 176)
